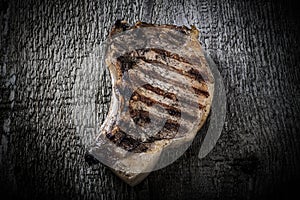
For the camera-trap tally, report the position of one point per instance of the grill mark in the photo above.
(191, 74)
(169, 131)
(140, 54)
(184, 125)
(129, 60)
(139, 105)
(140, 117)
(203, 87)
(196, 74)
(199, 91)
(131, 144)
(161, 92)
(155, 75)
(173, 111)
(171, 127)
(165, 66)
(126, 62)
(149, 102)
(125, 141)
(169, 54)
(125, 89)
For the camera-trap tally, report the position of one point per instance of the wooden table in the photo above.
(53, 93)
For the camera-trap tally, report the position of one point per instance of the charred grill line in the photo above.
(192, 73)
(161, 92)
(136, 96)
(196, 75)
(197, 90)
(125, 141)
(169, 54)
(200, 91)
(170, 95)
(126, 62)
(169, 130)
(149, 102)
(156, 117)
(127, 89)
(140, 116)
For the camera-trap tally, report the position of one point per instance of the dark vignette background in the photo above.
(42, 47)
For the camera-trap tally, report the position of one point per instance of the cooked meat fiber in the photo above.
(162, 89)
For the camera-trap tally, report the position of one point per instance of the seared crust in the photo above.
(174, 77)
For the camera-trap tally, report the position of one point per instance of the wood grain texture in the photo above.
(54, 94)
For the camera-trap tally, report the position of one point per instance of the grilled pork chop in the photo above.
(162, 90)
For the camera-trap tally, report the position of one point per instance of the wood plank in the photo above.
(55, 94)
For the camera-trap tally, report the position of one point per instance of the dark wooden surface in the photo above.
(49, 102)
